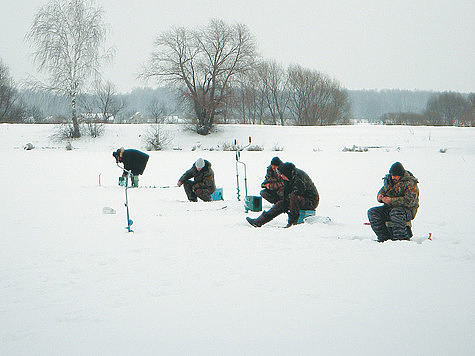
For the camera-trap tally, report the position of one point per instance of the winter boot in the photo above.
(289, 224)
(261, 220)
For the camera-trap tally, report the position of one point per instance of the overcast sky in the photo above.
(364, 44)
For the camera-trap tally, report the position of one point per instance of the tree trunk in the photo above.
(76, 132)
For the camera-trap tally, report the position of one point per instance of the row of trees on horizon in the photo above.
(212, 75)
(160, 105)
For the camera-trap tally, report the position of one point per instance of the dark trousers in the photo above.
(292, 207)
(270, 195)
(193, 195)
(399, 216)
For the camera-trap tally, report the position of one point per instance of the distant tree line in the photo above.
(443, 109)
(160, 105)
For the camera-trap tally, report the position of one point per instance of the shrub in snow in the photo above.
(255, 148)
(94, 128)
(155, 139)
(231, 146)
(63, 132)
(277, 147)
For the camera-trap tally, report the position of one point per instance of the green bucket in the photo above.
(253, 203)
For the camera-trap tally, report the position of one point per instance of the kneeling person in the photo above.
(203, 184)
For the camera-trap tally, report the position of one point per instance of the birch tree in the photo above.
(68, 38)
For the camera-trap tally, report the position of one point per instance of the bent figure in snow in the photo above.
(134, 161)
(299, 194)
(203, 184)
(400, 196)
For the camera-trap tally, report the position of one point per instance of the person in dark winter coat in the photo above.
(400, 196)
(203, 184)
(299, 194)
(273, 183)
(133, 160)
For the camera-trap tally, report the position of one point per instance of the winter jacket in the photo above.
(275, 181)
(300, 184)
(403, 193)
(134, 161)
(203, 179)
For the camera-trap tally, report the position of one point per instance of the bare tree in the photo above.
(275, 81)
(339, 108)
(249, 98)
(469, 118)
(316, 99)
(68, 37)
(204, 62)
(158, 111)
(8, 94)
(447, 109)
(107, 100)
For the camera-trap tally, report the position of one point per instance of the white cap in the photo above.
(200, 163)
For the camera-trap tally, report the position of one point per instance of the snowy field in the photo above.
(197, 279)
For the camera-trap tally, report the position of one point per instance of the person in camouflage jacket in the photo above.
(203, 184)
(400, 196)
(273, 183)
(299, 194)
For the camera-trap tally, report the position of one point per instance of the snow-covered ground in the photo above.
(195, 279)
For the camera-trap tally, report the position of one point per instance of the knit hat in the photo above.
(276, 161)
(200, 163)
(397, 169)
(116, 155)
(286, 169)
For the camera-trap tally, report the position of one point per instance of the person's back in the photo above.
(135, 161)
(302, 185)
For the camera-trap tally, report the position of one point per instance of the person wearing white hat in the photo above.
(202, 185)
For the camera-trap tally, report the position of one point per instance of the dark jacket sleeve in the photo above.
(385, 188)
(188, 174)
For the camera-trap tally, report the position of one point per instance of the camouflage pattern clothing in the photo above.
(403, 193)
(403, 207)
(275, 192)
(203, 184)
